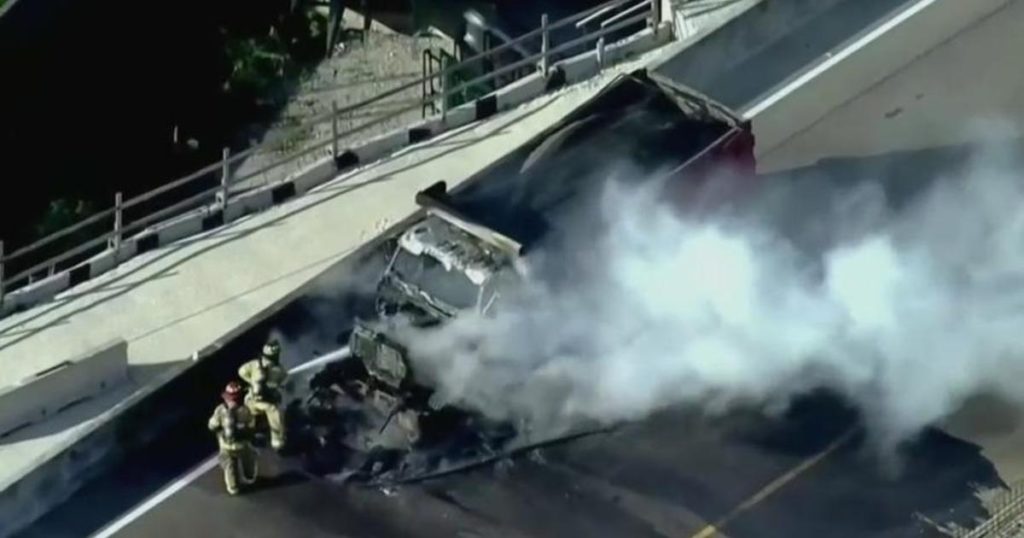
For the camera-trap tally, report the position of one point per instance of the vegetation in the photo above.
(62, 213)
(239, 66)
(294, 139)
(255, 65)
(262, 65)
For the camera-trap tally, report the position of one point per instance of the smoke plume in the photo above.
(905, 313)
(316, 323)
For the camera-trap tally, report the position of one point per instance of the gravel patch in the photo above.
(357, 71)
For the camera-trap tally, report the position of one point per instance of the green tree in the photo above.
(261, 64)
(62, 213)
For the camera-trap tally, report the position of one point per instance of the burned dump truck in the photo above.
(370, 409)
(370, 417)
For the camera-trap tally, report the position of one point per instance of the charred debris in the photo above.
(369, 418)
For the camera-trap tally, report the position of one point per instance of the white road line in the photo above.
(775, 485)
(831, 61)
(160, 497)
(204, 467)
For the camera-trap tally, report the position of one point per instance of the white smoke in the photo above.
(325, 310)
(905, 314)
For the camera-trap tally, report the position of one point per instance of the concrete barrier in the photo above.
(380, 146)
(860, 64)
(457, 117)
(35, 293)
(178, 229)
(109, 258)
(247, 203)
(49, 391)
(580, 67)
(59, 472)
(51, 482)
(314, 175)
(521, 91)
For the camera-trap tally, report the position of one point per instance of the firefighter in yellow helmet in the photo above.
(232, 422)
(266, 379)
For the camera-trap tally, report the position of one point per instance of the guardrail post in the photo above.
(545, 44)
(655, 14)
(334, 130)
(225, 178)
(1, 272)
(115, 241)
(444, 86)
(600, 52)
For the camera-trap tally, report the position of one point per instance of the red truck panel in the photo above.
(716, 176)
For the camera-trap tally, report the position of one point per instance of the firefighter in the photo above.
(266, 379)
(232, 422)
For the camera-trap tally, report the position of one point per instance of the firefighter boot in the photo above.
(230, 464)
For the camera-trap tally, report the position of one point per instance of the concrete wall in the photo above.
(46, 393)
(863, 63)
(54, 480)
(692, 19)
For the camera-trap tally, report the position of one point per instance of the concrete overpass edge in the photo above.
(861, 64)
(348, 161)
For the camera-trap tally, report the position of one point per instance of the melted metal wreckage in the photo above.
(369, 418)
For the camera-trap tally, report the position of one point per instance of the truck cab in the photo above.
(446, 264)
(442, 265)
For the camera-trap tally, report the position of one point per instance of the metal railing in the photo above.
(1007, 519)
(211, 184)
(433, 89)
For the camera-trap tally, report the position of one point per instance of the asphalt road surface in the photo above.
(672, 475)
(776, 56)
(807, 475)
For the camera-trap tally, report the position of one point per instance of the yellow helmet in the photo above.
(272, 350)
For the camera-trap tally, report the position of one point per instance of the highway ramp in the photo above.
(672, 475)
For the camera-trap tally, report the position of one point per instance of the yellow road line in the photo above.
(775, 485)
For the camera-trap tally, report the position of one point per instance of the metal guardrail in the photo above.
(1007, 519)
(212, 183)
(433, 94)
